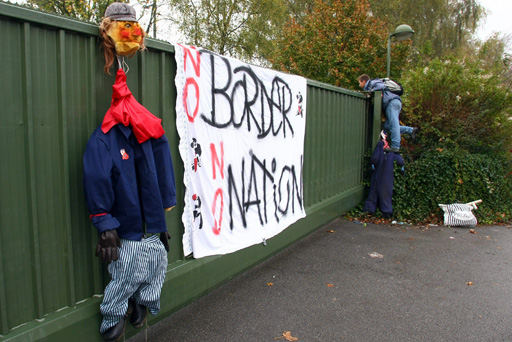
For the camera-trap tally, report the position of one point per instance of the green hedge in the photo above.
(463, 152)
(444, 177)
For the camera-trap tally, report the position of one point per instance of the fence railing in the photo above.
(54, 94)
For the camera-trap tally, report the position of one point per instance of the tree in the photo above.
(299, 9)
(90, 10)
(441, 27)
(152, 7)
(337, 42)
(459, 105)
(238, 28)
(492, 55)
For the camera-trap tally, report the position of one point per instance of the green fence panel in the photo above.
(54, 94)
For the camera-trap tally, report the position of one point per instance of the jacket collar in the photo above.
(126, 130)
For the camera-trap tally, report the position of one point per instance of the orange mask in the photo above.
(127, 35)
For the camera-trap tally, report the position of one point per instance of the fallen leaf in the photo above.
(288, 336)
(499, 247)
(330, 231)
(470, 283)
(270, 284)
(330, 285)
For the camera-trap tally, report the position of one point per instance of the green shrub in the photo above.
(463, 152)
(444, 177)
(458, 105)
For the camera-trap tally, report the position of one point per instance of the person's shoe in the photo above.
(114, 334)
(391, 149)
(138, 315)
(415, 131)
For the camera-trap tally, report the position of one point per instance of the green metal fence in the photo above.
(53, 95)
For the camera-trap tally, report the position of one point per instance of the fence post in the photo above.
(376, 122)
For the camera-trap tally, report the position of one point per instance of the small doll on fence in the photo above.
(128, 180)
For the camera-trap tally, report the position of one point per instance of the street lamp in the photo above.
(402, 32)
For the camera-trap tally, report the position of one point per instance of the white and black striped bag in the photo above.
(459, 215)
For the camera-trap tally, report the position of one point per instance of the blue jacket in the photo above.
(127, 183)
(387, 96)
(371, 202)
(387, 177)
(381, 186)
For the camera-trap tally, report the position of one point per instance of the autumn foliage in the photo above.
(337, 42)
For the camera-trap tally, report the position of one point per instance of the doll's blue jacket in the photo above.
(127, 184)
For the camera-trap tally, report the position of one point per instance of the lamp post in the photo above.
(402, 32)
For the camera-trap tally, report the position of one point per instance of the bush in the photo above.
(463, 153)
(444, 177)
(464, 148)
(458, 105)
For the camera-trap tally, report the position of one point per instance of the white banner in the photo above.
(241, 131)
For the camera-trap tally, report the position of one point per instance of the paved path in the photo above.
(354, 282)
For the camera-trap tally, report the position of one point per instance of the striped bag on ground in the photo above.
(459, 215)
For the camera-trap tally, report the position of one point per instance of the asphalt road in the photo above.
(354, 282)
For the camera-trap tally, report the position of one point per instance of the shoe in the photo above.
(139, 314)
(415, 131)
(114, 334)
(391, 149)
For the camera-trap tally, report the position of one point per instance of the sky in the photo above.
(498, 18)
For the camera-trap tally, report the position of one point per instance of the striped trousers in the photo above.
(139, 273)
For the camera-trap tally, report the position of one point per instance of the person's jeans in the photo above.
(392, 124)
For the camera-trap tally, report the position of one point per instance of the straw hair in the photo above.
(109, 46)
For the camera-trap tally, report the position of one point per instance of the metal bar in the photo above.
(97, 277)
(28, 117)
(142, 71)
(377, 112)
(4, 323)
(63, 140)
(163, 85)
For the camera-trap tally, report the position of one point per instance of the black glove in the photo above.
(108, 243)
(165, 237)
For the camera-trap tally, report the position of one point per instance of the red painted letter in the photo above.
(215, 159)
(216, 228)
(191, 81)
(196, 64)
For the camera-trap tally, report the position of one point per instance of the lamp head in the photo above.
(402, 32)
